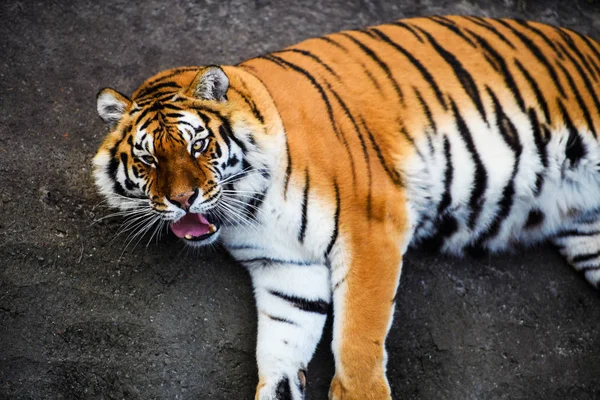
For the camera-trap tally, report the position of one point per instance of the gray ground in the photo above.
(79, 319)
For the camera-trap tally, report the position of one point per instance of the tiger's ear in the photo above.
(209, 84)
(111, 106)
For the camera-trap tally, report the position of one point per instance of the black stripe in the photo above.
(431, 122)
(313, 306)
(244, 247)
(176, 115)
(218, 151)
(586, 40)
(585, 257)
(540, 144)
(135, 110)
(408, 28)
(288, 169)
(582, 106)
(538, 54)
(141, 116)
(486, 24)
(480, 176)
(550, 43)
(575, 232)
(448, 177)
(280, 319)
(572, 46)
(593, 64)
(463, 76)
(370, 76)
(392, 173)
(225, 138)
(128, 182)
(371, 54)
(451, 25)
(269, 260)
(332, 42)
(273, 59)
(181, 134)
(507, 129)
(426, 110)
(251, 104)
(113, 167)
(367, 32)
(575, 148)
(503, 69)
(369, 178)
(225, 129)
(304, 212)
(411, 141)
(336, 219)
(539, 96)
(413, 60)
(205, 118)
(338, 283)
(174, 72)
(312, 57)
(255, 203)
(169, 106)
(153, 89)
(587, 84)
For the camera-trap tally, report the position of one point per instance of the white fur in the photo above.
(568, 192)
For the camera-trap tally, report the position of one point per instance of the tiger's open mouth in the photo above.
(194, 227)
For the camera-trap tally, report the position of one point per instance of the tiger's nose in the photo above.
(184, 200)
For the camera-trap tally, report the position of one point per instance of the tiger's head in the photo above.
(174, 155)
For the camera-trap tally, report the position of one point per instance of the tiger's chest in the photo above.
(482, 193)
(294, 229)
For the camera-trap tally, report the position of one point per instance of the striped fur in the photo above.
(323, 162)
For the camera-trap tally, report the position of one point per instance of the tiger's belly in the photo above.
(482, 192)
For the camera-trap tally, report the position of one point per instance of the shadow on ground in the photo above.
(82, 318)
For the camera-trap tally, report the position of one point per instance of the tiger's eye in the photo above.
(147, 159)
(197, 146)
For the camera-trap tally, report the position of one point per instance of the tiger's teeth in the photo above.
(212, 228)
(188, 236)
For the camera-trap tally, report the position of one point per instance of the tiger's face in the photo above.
(169, 159)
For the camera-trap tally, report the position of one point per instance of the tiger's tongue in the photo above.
(190, 224)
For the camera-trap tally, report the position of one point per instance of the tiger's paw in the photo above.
(287, 387)
(377, 389)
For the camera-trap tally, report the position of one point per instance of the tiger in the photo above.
(318, 166)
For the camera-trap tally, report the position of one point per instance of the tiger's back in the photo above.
(490, 124)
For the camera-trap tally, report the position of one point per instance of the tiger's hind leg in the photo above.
(579, 243)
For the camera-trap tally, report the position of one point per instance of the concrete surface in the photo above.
(80, 318)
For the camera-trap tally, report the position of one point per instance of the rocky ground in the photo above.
(83, 318)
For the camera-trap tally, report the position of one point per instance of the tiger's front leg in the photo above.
(292, 302)
(363, 299)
